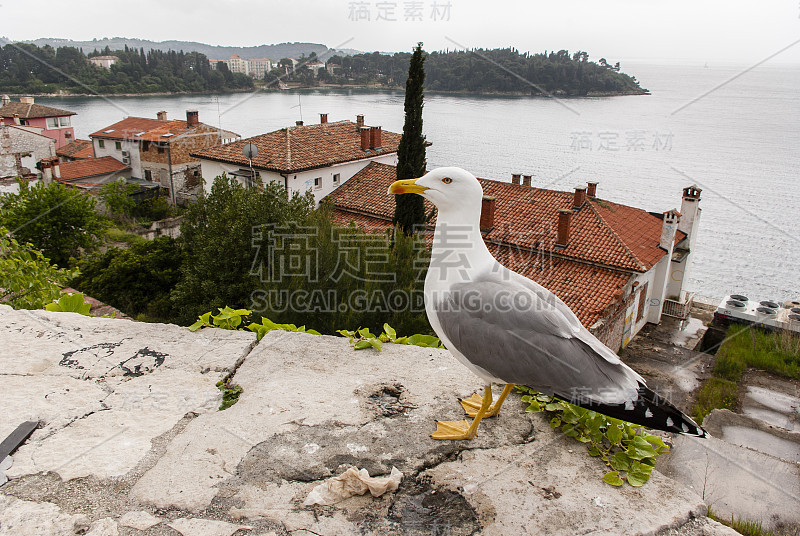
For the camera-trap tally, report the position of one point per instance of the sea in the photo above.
(732, 130)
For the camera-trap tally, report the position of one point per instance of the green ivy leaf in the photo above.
(612, 478)
(614, 434)
(390, 332)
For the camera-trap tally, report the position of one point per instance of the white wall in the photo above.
(298, 182)
(110, 150)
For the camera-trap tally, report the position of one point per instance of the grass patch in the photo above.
(746, 528)
(114, 234)
(746, 347)
(716, 393)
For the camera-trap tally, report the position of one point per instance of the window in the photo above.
(148, 175)
(101, 143)
(118, 145)
(64, 121)
(145, 145)
(52, 122)
(336, 178)
(318, 183)
(642, 301)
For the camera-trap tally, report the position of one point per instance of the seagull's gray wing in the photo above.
(516, 334)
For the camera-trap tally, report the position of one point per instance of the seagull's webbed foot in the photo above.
(457, 430)
(454, 430)
(473, 404)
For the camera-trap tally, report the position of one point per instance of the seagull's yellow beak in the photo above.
(407, 186)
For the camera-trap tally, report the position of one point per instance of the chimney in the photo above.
(56, 170)
(668, 230)
(5, 99)
(26, 100)
(47, 173)
(515, 178)
(359, 122)
(16, 119)
(375, 137)
(487, 212)
(690, 212)
(591, 189)
(526, 180)
(67, 136)
(323, 118)
(162, 115)
(365, 138)
(579, 198)
(564, 219)
(192, 118)
(298, 123)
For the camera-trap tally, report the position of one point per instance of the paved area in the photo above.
(131, 441)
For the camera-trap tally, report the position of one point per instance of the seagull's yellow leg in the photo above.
(473, 404)
(462, 429)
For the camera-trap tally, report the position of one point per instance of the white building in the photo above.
(317, 157)
(104, 61)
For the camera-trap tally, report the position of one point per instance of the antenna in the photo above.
(299, 105)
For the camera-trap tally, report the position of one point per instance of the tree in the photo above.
(27, 279)
(57, 221)
(409, 209)
(136, 280)
(217, 235)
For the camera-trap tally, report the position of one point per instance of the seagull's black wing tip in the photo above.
(649, 410)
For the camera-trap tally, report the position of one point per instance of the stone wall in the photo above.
(17, 142)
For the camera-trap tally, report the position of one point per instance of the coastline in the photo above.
(558, 94)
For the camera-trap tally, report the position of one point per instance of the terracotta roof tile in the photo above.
(298, 148)
(601, 232)
(141, 128)
(32, 111)
(77, 149)
(90, 167)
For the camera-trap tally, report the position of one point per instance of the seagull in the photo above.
(508, 329)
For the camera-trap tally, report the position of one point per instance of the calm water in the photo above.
(739, 143)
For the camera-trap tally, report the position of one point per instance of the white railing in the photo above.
(678, 309)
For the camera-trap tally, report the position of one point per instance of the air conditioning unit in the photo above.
(126, 160)
(126, 154)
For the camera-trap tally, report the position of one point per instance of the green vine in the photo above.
(362, 338)
(627, 449)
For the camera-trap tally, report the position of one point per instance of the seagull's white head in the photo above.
(453, 190)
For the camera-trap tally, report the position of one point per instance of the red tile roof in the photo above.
(608, 241)
(90, 167)
(601, 232)
(77, 149)
(298, 148)
(32, 111)
(141, 128)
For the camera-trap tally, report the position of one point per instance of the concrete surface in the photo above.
(736, 480)
(131, 442)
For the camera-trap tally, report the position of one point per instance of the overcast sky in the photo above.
(676, 30)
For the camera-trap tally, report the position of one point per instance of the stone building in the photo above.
(318, 157)
(159, 150)
(21, 148)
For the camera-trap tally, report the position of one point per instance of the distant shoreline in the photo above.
(559, 94)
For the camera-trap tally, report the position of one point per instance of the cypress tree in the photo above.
(409, 209)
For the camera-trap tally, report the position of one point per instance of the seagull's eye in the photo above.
(447, 180)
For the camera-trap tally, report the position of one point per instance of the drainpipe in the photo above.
(171, 184)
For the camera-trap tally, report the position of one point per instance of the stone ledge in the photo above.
(311, 407)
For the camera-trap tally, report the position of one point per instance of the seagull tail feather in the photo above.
(649, 410)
